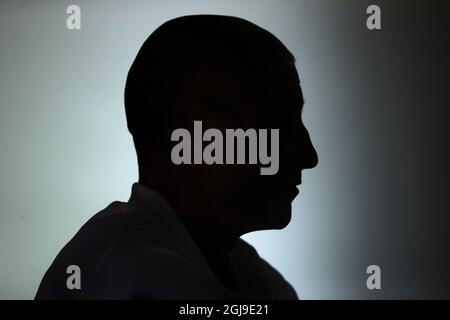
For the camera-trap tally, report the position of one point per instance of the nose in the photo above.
(305, 154)
(310, 158)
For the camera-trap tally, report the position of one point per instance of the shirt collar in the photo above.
(148, 200)
(153, 203)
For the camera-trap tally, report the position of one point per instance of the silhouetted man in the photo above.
(178, 236)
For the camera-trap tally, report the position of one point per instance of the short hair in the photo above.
(195, 46)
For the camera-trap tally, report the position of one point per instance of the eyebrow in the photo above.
(299, 102)
(296, 104)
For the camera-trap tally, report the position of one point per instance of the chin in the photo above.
(277, 215)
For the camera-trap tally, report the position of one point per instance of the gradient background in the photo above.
(377, 108)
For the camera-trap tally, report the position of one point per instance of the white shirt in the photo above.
(141, 249)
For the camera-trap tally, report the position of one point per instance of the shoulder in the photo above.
(260, 274)
(86, 250)
(123, 253)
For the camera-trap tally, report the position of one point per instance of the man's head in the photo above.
(229, 74)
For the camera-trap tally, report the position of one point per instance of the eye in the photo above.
(295, 104)
(295, 111)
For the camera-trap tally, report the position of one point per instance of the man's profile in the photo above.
(178, 236)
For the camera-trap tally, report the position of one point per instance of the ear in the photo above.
(201, 111)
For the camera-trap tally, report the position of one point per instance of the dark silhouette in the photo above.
(179, 234)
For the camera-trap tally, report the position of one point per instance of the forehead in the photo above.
(267, 90)
(278, 98)
(283, 84)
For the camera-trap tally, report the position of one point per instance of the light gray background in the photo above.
(376, 107)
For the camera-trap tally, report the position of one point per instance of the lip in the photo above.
(294, 180)
(294, 183)
(291, 191)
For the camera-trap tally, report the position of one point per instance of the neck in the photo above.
(215, 247)
(213, 236)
